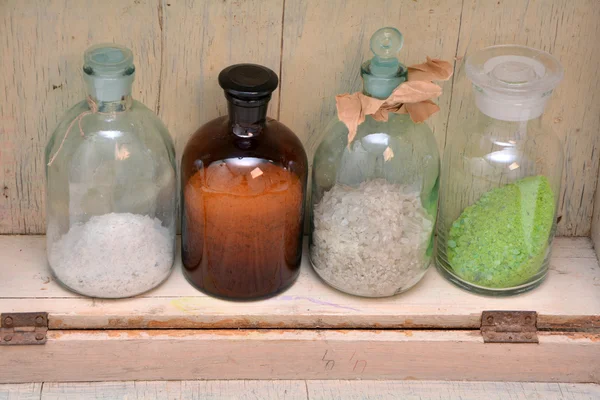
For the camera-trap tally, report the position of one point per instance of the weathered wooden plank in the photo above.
(569, 298)
(324, 44)
(319, 390)
(180, 390)
(200, 39)
(564, 29)
(596, 221)
(300, 354)
(391, 390)
(21, 391)
(41, 48)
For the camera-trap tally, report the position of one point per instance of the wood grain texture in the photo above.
(325, 43)
(200, 39)
(300, 354)
(318, 390)
(317, 47)
(177, 390)
(41, 48)
(596, 221)
(391, 390)
(569, 299)
(565, 29)
(21, 391)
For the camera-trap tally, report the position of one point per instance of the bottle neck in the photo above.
(109, 94)
(120, 105)
(246, 120)
(381, 86)
(509, 108)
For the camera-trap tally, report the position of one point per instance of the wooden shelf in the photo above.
(570, 297)
(175, 332)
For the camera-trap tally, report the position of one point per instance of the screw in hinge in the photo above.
(490, 319)
(527, 319)
(7, 338)
(8, 321)
(39, 336)
(39, 320)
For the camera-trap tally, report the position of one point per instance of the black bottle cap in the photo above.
(248, 82)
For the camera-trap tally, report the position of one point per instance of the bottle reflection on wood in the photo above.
(243, 190)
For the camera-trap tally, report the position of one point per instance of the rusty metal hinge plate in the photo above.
(23, 328)
(509, 327)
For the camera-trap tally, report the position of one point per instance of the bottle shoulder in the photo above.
(136, 128)
(215, 141)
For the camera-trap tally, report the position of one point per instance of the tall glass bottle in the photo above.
(374, 200)
(111, 186)
(243, 182)
(501, 176)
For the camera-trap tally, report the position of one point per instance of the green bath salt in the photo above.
(501, 240)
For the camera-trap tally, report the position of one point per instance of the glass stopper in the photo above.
(385, 45)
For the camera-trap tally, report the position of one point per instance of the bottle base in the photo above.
(242, 299)
(414, 282)
(94, 296)
(493, 292)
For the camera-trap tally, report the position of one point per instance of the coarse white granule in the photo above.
(371, 240)
(113, 255)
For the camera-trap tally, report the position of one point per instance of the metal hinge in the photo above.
(23, 328)
(509, 327)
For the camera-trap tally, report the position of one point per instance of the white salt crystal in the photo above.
(113, 255)
(371, 240)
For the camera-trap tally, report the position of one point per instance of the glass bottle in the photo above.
(110, 186)
(243, 180)
(501, 176)
(374, 200)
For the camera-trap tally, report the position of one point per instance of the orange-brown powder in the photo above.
(242, 228)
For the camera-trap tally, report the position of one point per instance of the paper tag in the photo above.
(388, 154)
(256, 172)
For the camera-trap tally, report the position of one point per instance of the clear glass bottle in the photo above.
(243, 182)
(374, 200)
(501, 175)
(111, 198)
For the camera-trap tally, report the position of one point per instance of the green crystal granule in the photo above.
(501, 241)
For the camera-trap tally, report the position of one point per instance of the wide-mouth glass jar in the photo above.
(501, 175)
(110, 186)
(373, 204)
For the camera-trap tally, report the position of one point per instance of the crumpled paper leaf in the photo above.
(419, 112)
(431, 70)
(414, 92)
(353, 108)
(412, 97)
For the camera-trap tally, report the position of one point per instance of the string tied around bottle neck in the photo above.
(93, 110)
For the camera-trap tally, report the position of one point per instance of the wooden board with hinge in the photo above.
(311, 331)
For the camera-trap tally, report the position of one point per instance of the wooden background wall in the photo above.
(316, 47)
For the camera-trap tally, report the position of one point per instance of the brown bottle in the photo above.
(243, 182)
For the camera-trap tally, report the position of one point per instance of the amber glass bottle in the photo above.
(243, 188)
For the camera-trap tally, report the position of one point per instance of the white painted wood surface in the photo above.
(569, 298)
(317, 47)
(21, 391)
(302, 390)
(316, 390)
(177, 390)
(100, 355)
(596, 221)
(393, 390)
